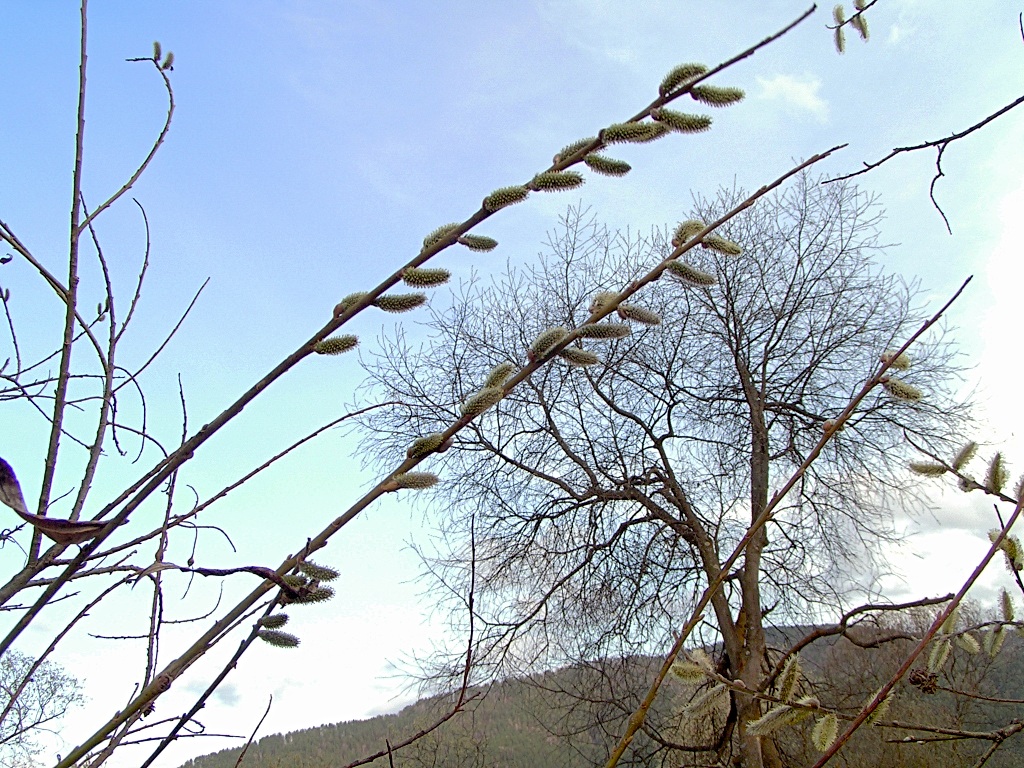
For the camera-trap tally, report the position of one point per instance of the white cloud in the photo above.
(799, 93)
(897, 33)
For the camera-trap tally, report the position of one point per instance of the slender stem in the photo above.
(71, 302)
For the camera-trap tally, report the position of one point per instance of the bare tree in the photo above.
(33, 698)
(603, 494)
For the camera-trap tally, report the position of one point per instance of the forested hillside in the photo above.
(538, 722)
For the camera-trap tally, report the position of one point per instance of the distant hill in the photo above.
(540, 723)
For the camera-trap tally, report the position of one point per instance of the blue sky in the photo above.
(316, 143)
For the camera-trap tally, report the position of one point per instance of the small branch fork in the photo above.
(940, 146)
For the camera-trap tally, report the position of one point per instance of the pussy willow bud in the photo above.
(689, 672)
(686, 231)
(571, 149)
(157, 51)
(318, 595)
(607, 166)
(776, 718)
(421, 446)
(400, 302)
(555, 181)
(415, 480)
(168, 64)
(578, 358)
(639, 314)
(335, 345)
(899, 362)
(348, 302)
(425, 277)
(860, 23)
(481, 401)
(790, 678)
(708, 700)
(632, 133)
(277, 638)
(679, 76)
(1006, 606)
(604, 331)
(880, 710)
(964, 455)
(681, 122)
(317, 571)
(478, 242)
(690, 275)
(718, 243)
(439, 234)
(825, 732)
(499, 375)
(546, 340)
(927, 469)
(968, 642)
(602, 300)
(997, 476)
(504, 197)
(901, 390)
(275, 621)
(714, 96)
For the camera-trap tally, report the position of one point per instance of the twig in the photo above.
(241, 755)
(940, 145)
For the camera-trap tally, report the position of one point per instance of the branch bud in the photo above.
(425, 277)
(639, 314)
(555, 181)
(604, 331)
(679, 76)
(400, 302)
(478, 242)
(681, 122)
(607, 166)
(578, 358)
(546, 341)
(504, 197)
(482, 400)
(336, 345)
(690, 275)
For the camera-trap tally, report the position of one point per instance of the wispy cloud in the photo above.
(898, 33)
(798, 93)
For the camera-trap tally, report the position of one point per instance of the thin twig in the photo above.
(241, 755)
(940, 146)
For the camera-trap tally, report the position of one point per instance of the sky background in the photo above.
(316, 143)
